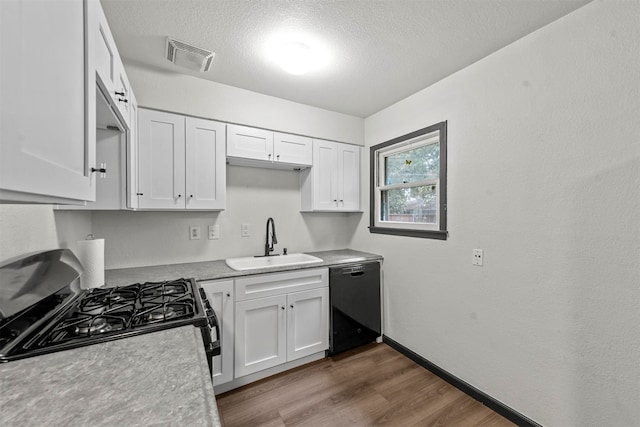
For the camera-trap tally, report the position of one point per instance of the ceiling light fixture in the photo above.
(295, 58)
(297, 54)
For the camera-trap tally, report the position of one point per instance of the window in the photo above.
(409, 184)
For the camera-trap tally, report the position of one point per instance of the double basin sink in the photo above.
(253, 263)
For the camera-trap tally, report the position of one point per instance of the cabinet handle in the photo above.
(228, 294)
(123, 100)
(291, 306)
(278, 156)
(102, 170)
(119, 93)
(341, 201)
(282, 307)
(139, 194)
(269, 156)
(178, 197)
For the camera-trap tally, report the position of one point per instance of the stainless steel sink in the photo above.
(253, 263)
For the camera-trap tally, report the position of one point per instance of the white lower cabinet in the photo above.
(221, 297)
(279, 318)
(261, 340)
(307, 322)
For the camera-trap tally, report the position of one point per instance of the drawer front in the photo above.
(266, 285)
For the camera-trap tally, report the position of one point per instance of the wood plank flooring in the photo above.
(372, 385)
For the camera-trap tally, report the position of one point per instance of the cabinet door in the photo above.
(132, 155)
(348, 177)
(105, 53)
(307, 323)
(47, 147)
(161, 161)
(205, 164)
(220, 295)
(292, 149)
(249, 143)
(260, 334)
(122, 92)
(325, 176)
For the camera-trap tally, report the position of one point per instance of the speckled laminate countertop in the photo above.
(160, 378)
(218, 269)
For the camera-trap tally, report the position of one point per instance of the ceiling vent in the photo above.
(187, 56)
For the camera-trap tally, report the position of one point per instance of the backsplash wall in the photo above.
(253, 195)
(32, 228)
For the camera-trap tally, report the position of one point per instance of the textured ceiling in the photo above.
(380, 51)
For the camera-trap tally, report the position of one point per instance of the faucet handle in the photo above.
(284, 251)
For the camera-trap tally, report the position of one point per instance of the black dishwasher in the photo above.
(354, 293)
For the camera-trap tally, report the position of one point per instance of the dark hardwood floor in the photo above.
(372, 385)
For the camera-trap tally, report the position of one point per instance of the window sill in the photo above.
(424, 234)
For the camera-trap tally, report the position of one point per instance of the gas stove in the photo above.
(43, 309)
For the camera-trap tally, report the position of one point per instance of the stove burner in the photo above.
(98, 325)
(104, 314)
(167, 313)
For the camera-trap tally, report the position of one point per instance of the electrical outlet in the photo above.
(194, 232)
(478, 257)
(245, 230)
(214, 232)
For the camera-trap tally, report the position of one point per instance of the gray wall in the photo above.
(544, 175)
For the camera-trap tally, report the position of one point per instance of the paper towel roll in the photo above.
(91, 256)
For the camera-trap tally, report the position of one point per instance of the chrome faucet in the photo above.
(268, 248)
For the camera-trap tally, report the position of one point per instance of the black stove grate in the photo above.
(104, 313)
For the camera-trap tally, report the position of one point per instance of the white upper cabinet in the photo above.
(333, 183)
(47, 129)
(247, 146)
(117, 152)
(111, 76)
(181, 162)
(249, 143)
(292, 149)
(132, 156)
(205, 164)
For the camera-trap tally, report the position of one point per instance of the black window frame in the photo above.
(441, 233)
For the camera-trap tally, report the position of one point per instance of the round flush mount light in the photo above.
(297, 55)
(295, 58)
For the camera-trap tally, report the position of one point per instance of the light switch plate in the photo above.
(244, 232)
(214, 232)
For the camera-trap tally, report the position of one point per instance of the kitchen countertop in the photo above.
(218, 269)
(160, 378)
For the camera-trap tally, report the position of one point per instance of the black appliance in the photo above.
(354, 294)
(43, 309)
